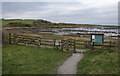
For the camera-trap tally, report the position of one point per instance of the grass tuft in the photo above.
(98, 62)
(18, 59)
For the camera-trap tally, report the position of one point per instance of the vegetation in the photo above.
(18, 59)
(43, 22)
(5, 22)
(71, 24)
(98, 62)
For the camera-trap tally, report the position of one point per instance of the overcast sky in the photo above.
(79, 11)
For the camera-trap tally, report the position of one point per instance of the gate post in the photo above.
(62, 44)
(85, 42)
(92, 46)
(9, 38)
(74, 46)
(70, 45)
(110, 46)
(54, 43)
(39, 41)
(67, 44)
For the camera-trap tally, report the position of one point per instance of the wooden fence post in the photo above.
(54, 43)
(40, 41)
(110, 42)
(85, 44)
(61, 44)
(92, 46)
(9, 38)
(67, 44)
(70, 45)
(26, 43)
(110, 46)
(74, 46)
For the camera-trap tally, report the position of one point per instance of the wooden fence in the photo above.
(69, 44)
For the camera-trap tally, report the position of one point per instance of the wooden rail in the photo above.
(69, 44)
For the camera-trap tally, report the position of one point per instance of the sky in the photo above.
(72, 11)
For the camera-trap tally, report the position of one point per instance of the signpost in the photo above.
(97, 38)
(57, 44)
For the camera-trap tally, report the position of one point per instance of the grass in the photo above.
(98, 62)
(30, 21)
(12, 21)
(18, 59)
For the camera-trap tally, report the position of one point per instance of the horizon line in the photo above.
(60, 22)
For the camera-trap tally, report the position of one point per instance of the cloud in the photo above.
(85, 1)
(79, 11)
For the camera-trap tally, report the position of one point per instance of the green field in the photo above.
(98, 62)
(4, 22)
(30, 21)
(18, 59)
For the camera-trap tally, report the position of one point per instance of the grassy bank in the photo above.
(5, 22)
(18, 59)
(98, 62)
(30, 21)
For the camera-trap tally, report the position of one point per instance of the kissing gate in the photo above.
(72, 45)
(68, 44)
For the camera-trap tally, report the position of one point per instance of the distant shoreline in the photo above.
(66, 23)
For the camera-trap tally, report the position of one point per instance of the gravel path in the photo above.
(80, 50)
(70, 65)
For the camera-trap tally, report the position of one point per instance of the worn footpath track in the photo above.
(70, 65)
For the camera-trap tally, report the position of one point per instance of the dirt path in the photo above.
(70, 65)
(80, 50)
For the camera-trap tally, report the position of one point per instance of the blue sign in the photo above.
(97, 38)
